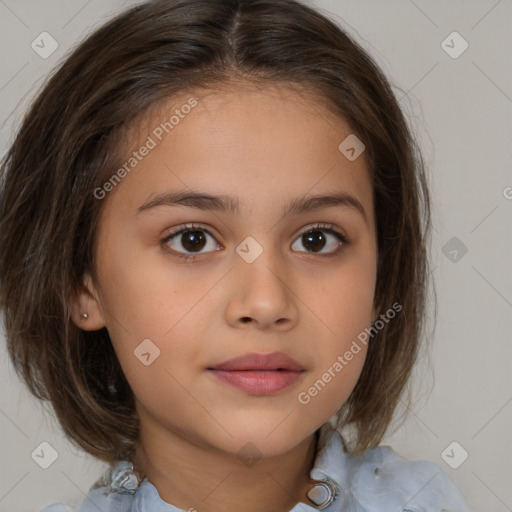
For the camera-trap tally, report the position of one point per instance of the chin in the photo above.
(254, 442)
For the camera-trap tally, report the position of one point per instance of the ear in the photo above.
(87, 312)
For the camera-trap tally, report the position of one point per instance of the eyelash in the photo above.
(327, 228)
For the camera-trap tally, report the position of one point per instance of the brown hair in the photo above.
(71, 140)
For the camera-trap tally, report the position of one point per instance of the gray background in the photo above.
(460, 109)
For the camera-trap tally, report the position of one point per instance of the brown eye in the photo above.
(191, 240)
(315, 240)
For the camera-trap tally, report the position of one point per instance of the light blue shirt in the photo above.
(377, 480)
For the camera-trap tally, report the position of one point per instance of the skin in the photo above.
(263, 146)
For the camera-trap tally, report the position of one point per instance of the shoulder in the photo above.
(57, 507)
(380, 476)
(97, 499)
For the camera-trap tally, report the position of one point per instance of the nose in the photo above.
(262, 294)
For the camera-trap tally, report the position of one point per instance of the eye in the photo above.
(316, 238)
(193, 239)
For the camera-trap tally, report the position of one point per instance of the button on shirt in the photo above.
(377, 480)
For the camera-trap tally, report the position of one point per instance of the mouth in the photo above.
(259, 374)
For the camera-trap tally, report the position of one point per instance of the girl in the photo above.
(214, 226)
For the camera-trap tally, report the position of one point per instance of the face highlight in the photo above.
(244, 231)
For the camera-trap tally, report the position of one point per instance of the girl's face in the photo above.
(255, 283)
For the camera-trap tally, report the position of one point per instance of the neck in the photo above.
(190, 476)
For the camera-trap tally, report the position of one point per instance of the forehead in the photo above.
(245, 141)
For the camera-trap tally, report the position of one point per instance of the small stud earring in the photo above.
(85, 316)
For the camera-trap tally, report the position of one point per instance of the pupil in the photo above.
(316, 239)
(193, 240)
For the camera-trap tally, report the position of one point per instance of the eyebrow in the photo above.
(222, 203)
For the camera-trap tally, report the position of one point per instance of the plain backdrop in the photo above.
(459, 104)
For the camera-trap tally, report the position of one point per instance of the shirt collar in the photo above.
(331, 465)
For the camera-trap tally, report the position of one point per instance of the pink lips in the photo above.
(259, 374)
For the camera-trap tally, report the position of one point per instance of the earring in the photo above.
(85, 316)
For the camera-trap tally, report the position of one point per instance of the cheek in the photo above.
(331, 384)
(345, 306)
(145, 294)
(345, 301)
(169, 306)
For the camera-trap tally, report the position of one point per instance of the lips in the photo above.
(253, 361)
(259, 374)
